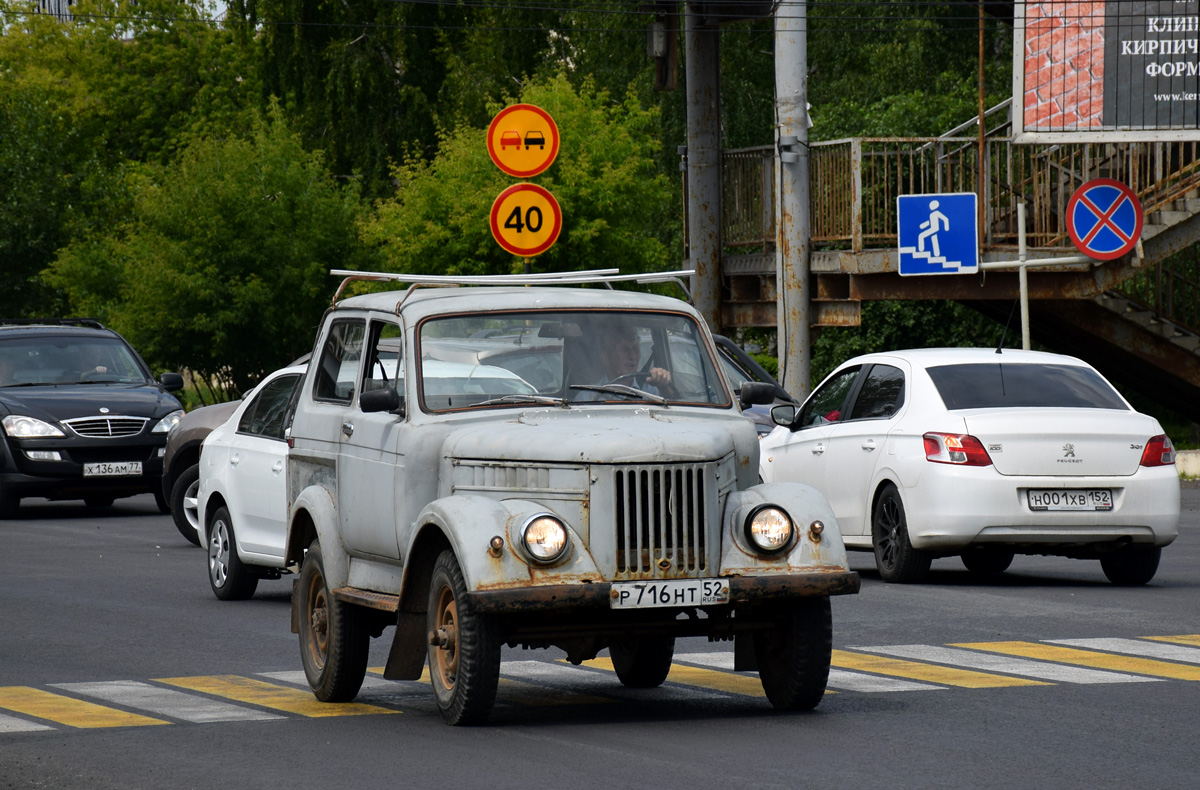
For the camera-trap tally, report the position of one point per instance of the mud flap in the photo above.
(410, 646)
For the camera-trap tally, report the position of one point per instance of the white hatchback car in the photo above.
(984, 454)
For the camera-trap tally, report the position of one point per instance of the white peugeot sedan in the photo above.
(983, 454)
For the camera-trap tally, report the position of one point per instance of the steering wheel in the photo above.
(91, 374)
(638, 377)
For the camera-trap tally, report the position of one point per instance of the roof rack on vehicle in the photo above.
(605, 276)
(93, 323)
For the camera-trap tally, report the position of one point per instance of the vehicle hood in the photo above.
(588, 436)
(1063, 442)
(55, 403)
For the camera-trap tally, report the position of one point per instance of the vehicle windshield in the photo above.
(33, 361)
(567, 358)
(999, 385)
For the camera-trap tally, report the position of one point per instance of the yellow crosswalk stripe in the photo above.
(704, 678)
(1090, 658)
(915, 670)
(270, 695)
(1182, 639)
(68, 711)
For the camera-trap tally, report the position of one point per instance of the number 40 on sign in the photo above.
(526, 219)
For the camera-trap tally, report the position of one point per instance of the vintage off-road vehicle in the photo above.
(467, 465)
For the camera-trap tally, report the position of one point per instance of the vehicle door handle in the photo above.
(818, 449)
(235, 459)
(868, 445)
(348, 428)
(278, 467)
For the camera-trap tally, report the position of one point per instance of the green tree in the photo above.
(223, 266)
(617, 209)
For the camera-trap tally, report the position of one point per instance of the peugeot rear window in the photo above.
(1000, 385)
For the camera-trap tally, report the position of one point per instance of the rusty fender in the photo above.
(470, 522)
(822, 551)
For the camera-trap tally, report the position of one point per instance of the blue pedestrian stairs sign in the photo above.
(939, 234)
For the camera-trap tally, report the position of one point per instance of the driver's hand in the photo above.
(660, 377)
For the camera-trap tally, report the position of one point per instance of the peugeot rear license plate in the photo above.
(118, 469)
(1070, 499)
(677, 592)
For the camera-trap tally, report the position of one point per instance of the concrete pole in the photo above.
(703, 69)
(793, 222)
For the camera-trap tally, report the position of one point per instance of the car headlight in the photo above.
(544, 538)
(167, 423)
(19, 426)
(769, 529)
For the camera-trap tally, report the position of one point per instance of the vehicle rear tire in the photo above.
(642, 662)
(895, 556)
(185, 508)
(334, 640)
(793, 656)
(464, 648)
(227, 576)
(1132, 565)
(10, 505)
(987, 561)
(99, 501)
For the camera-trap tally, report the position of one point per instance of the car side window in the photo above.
(266, 415)
(386, 352)
(881, 395)
(337, 369)
(826, 404)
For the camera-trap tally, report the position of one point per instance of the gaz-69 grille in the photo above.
(107, 427)
(662, 515)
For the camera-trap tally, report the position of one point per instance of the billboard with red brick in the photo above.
(1117, 69)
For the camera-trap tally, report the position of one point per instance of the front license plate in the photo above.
(1070, 499)
(122, 469)
(678, 592)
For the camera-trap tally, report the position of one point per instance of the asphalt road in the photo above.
(119, 669)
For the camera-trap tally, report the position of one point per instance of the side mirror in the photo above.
(171, 382)
(784, 414)
(756, 393)
(386, 399)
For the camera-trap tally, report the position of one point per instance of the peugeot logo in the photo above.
(1068, 450)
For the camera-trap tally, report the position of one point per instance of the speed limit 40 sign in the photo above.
(526, 219)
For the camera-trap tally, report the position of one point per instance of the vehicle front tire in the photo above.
(1132, 565)
(464, 648)
(334, 640)
(895, 556)
(185, 509)
(987, 561)
(793, 656)
(227, 576)
(642, 662)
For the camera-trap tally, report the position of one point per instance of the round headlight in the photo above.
(769, 529)
(544, 537)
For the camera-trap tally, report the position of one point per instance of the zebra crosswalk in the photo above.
(279, 696)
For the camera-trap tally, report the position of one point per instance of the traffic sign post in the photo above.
(522, 140)
(1104, 219)
(939, 234)
(526, 219)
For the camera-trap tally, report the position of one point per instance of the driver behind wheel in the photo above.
(620, 353)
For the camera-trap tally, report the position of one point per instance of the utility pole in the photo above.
(793, 224)
(703, 72)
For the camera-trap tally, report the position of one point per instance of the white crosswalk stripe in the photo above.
(166, 702)
(370, 682)
(593, 682)
(841, 679)
(13, 724)
(987, 662)
(1136, 647)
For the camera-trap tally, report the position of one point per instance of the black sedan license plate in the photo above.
(1070, 499)
(677, 592)
(120, 469)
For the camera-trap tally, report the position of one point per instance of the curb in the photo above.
(1188, 463)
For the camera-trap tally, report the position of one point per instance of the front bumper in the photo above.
(64, 479)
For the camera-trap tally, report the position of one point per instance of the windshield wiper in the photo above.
(620, 389)
(518, 398)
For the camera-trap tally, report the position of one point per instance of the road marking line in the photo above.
(66, 710)
(716, 680)
(838, 678)
(269, 695)
(559, 673)
(1010, 666)
(297, 677)
(912, 670)
(1070, 655)
(13, 724)
(1183, 639)
(1137, 647)
(166, 702)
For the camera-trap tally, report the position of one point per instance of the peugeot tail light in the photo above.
(1159, 452)
(956, 448)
